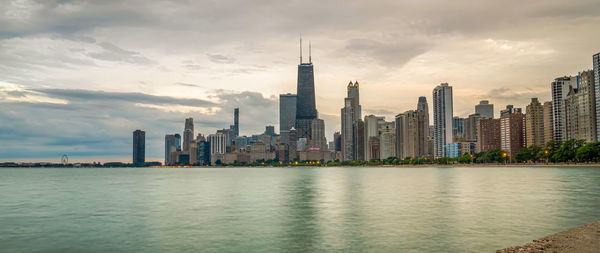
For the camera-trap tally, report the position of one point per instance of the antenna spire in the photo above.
(309, 53)
(300, 48)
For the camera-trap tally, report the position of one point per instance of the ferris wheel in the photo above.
(64, 159)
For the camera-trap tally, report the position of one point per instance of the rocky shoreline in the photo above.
(583, 239)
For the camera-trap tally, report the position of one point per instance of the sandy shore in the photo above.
(580, 239)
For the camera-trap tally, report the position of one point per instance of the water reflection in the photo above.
(300, 226)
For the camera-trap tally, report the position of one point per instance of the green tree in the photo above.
(589, 152)
(536, 153)
(523, 155)
(567, 151)
(551, 149)
(466, 158)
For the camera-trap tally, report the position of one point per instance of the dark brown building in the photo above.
(488, 135)
(512, 132)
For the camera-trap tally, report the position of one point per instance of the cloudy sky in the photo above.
(77, 77)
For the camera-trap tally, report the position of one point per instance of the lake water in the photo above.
(359, 209)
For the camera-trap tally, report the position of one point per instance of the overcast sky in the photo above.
(77, 77)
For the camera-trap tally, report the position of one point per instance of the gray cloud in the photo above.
(218, 58)
(85, 96)
(190, 85)
(507, 94)
(114, 53)
(96, 123)
(389, 54)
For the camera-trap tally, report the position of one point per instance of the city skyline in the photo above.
(77, 97)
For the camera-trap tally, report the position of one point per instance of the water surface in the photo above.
(359, 209)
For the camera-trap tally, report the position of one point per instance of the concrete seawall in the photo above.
(583, 239)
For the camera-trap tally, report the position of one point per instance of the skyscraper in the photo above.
(203, 153)
(353, 93)
(548, 127)
(287, 115)
(411, 140)
(351, 113)
(470, 134)
(458, 128)
(579, 109)
(139, 146)
(534, 123)
(306, 109)
(218, 143)
(337, 139)
(270, 130)
(442, 118)
(596, 70)
(236, 122)
(360, 141)
(372, 124)
(188, 134)
(560, 89)
(485, 109)
(424, 107)
(172, 144)
(488, 135)
(387, 140)
(347, 131)
(317, 140)
(512, 130)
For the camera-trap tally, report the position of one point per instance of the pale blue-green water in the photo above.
(379, 209)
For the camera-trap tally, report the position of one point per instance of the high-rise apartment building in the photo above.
(337, 141)
(424, 107)
(287, 115)
(470, 134)
(580, 109)
(534, 124)
(488, 135)
(372, 124)
(596, 70)
(188, 134)
(347, 135)
(560, 89)
(458, 128)
(360, 141)
(387, 140)
(203, 153)
(317, 140)
(442, 118)
(411, 140)
(172, 144)
(548, 122)
(485, 109)
(218, 143)
(512, 131)
(139, 146)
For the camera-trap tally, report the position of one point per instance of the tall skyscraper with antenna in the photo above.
(306, 110)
